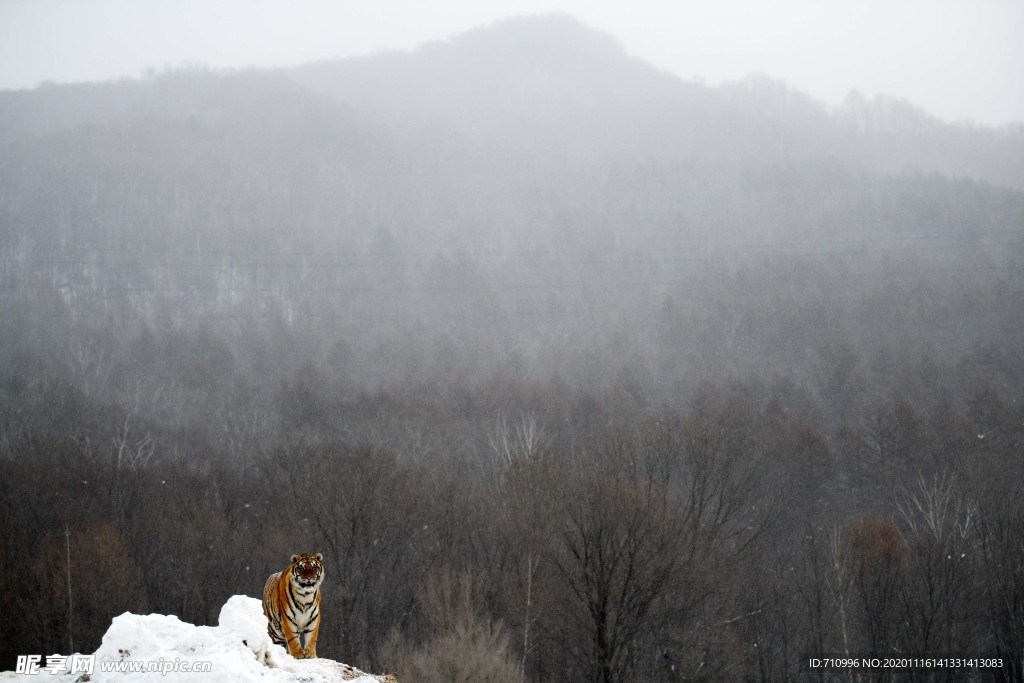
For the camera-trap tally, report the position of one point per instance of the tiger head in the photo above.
(307, 570)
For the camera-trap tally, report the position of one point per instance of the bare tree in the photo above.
(937, 597)
(96, 561)
(838, 583)
(720, 483)
(1000, 529)
(878, 556)
(131, 452)
(934, 509)
(520, 441)
(92, 361)
(530, 503)
(622, 549)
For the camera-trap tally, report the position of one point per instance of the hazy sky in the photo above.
(959, 59)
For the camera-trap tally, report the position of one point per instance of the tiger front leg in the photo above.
(291, 640)
(309, 652)
(296, 650)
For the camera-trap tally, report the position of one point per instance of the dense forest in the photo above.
(572, 370)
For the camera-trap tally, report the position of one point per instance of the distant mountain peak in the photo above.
(545, 36)
(549, 66)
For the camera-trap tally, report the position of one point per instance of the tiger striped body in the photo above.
(291, 603)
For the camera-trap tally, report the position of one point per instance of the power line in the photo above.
(298, 309)
(188, 290)
(91, 294)
(427, 257)
(703, 255)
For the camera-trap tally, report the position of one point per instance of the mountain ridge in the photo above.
(577, 144)
(548, 86)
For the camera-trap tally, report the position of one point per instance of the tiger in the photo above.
(291, 603)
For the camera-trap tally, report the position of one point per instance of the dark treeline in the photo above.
(572, 370)
(526, 528)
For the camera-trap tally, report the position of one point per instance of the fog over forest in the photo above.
(573, 370)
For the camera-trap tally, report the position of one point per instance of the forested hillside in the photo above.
(560, 360)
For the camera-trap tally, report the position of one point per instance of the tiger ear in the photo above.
(319, 557)
(294, 559)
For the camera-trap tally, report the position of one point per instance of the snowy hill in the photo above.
(140, 647)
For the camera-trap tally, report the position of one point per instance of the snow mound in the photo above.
(140, 648)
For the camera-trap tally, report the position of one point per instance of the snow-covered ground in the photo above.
(150, 647)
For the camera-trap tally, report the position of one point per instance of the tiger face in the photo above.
(308, 570)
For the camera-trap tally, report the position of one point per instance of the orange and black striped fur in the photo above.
(291, 602)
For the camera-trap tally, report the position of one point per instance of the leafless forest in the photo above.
(572, 370)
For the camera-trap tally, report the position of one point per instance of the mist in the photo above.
(957, 61)
(509, 325)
